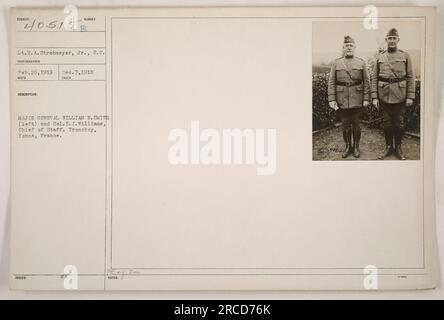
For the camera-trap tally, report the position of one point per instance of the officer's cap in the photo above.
(348, 39)
(393, 33)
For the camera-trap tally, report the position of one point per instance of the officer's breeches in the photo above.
(393, 115)
(350, 118)
(393, 121)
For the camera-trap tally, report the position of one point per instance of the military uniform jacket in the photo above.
(393, 80)
(348, 84)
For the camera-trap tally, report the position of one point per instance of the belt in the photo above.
(391, 80)
(349, 83)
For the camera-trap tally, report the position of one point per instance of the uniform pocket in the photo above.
(383, 91)
(356, 95)
(384, 70)
(399, 67)
(341, 96)
(357, 73)
(342, 75)
(401, 91)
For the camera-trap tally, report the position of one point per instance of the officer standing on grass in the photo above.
(349, 93)
(392, 89)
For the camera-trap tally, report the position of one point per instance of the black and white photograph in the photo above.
(165, 152)
(366, 87)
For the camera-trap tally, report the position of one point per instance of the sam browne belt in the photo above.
(391, 80)
(349, 83)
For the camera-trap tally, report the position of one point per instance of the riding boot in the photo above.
(398, 142)
(356, 139)
(346, 133)
(388, 143)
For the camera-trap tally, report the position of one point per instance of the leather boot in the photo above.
(398, 141)
(347, 138)
(398, 152)
(388, 143)
(356, 139)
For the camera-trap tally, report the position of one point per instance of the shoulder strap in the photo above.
(347, 71)
(386, 59)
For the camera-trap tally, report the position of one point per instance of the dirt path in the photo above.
(329, 145)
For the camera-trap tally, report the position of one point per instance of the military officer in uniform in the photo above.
(392, 89)
(349, 93)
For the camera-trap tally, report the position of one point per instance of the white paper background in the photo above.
(4, 165)
(245, 74)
